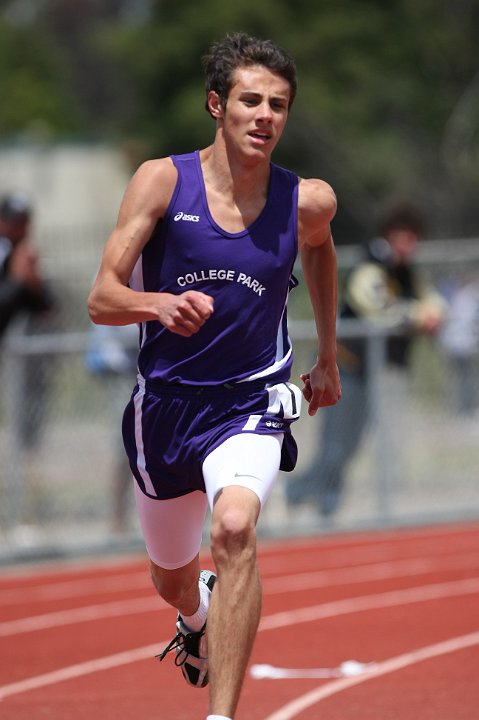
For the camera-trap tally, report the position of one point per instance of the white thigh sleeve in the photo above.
(172, 529)
(247, 459)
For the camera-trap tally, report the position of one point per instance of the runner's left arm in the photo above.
(317, 206)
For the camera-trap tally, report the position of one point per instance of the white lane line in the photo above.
(292, 583)
(75, 588)
(311, 614)
(81, 669)
(271, 565)
(366, 573)
(379, 550)
(292, 709)
(422, 593)
(134, 606)
(83, 614)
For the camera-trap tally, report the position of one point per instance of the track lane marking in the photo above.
(271, 622)
(75, 588)
(422, 593)
(374, 550)
(80, 615)
(313, 697)
(380, 549)
(293, 583)
(80, 669)
(366, 573)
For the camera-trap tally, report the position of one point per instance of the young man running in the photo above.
(202, 258)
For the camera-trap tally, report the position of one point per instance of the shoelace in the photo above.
(180, 641)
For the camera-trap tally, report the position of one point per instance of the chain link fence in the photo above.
(64, 484)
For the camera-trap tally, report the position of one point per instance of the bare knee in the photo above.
(233, 534)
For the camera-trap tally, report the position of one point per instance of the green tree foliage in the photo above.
(388, 101)
(35, 96)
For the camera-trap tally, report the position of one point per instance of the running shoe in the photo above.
(191, 647)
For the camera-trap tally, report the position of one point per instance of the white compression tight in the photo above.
(172, 529)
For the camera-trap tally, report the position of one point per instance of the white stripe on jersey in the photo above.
(280, 360)
(136, 283)
(269, 370)
(136, 279)
(140, 461)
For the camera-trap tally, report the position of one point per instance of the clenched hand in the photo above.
(185, 314)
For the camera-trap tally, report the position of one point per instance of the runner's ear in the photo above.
(214, 104)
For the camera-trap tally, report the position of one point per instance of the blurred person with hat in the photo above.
(22, 288)
(385, 288)
(25, 297)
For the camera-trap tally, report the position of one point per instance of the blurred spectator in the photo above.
(386, 288)
(22, 288)
(460, 341)
(112, 356)
(25, 296)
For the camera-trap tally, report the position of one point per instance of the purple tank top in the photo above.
(249, 275)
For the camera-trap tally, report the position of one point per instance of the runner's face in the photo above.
(256, 110)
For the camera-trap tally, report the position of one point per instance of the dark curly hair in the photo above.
(240, 50)
(403, 216)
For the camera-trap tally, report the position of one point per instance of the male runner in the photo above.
(202, 258)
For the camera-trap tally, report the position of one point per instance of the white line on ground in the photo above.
(81, 669)
(76, 588)
(311, 614)
(84, 614)
(422, 593)
(292, 709)
(272, 672)
(377, 551)
(366, 573)
(285, 584)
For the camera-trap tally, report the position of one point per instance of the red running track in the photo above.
(77, 641)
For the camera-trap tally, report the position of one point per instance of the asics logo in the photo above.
(188, 218)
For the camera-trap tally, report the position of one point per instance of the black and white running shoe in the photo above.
(191, 647)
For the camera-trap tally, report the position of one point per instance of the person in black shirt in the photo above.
(22, 288)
